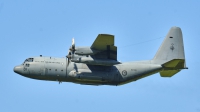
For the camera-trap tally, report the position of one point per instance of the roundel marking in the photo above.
(124, 72)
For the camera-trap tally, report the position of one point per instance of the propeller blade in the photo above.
(71, 52)
(68, 57)
(73, 44)
(75, 67)
(67, 62)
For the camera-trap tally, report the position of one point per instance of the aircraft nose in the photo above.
(18, 69)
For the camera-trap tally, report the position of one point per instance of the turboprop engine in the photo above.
(84, 55)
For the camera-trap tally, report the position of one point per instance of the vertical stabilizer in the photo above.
(171, 48)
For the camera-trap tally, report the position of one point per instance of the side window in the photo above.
(25, 61)
(27, 65)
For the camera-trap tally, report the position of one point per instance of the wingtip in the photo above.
(176, 27)
(106, 35)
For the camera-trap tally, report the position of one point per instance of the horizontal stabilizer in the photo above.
(175, 64)
(172, 67)
(168, 73)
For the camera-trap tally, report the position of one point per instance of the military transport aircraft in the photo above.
(98, 65)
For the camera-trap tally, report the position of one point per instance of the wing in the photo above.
(105, 44)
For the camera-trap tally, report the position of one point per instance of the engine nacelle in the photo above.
(92, 61)
(85, 51)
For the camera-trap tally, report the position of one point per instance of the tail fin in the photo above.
(170, 51)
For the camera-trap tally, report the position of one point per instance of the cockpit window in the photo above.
(28, 60)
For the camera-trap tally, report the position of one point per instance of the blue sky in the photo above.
(33, 27)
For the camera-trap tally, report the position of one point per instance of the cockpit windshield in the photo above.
(28, 60)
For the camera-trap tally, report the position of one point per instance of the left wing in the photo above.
(102, 52)
(105, 44)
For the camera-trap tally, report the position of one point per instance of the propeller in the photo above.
(71, 52)
(73, 44)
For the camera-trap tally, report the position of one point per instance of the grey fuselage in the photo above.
(57, 69)
(98, 65)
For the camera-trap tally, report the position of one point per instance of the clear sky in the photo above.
(34, 27)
